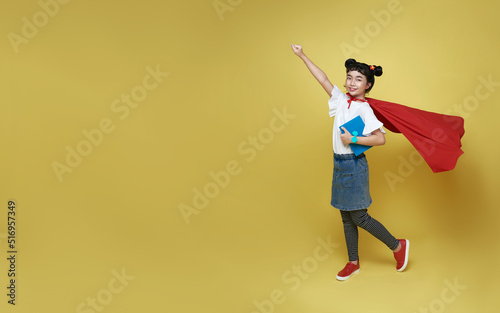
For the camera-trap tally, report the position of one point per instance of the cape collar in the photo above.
(351, 98)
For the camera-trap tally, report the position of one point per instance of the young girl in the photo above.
(350, 189)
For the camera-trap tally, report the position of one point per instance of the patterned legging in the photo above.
(361, 218)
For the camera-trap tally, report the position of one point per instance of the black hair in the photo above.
(370, 71)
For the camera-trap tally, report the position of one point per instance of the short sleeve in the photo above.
(371, 121)
(334, 101)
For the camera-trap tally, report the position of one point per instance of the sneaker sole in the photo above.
(407, 254)
(347, 277)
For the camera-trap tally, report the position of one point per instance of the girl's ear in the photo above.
(368, 85)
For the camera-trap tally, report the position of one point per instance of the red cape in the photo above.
(435, 136)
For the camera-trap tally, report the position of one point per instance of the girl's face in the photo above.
(356, 84)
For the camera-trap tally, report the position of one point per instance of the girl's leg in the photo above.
(351, 235)
(362, 219)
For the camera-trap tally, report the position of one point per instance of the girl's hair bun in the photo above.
(377, 71)
(350, 62)
(369, 71)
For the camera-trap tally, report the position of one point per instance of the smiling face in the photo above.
(356, 84)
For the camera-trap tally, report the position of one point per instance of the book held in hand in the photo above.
(356, 125)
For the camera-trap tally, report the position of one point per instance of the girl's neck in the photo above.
(360, 97)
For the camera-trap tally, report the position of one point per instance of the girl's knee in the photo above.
(361, 218)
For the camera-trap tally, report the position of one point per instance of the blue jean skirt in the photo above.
(350, 183)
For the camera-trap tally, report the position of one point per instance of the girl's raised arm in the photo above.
(316, 71)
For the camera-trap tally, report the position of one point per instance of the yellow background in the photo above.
(228, 74)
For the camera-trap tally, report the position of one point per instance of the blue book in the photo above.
(356, 125)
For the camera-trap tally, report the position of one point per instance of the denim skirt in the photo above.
(350, 185)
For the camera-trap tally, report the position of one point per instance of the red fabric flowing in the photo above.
(435, 136)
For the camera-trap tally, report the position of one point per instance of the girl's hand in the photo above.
(376, 138)
(346, 137)
(316, 71)
(297, 49)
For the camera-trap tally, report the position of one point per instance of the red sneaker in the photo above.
(402, 255)
(349, 270)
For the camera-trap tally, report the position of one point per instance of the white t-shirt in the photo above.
(338, 108)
